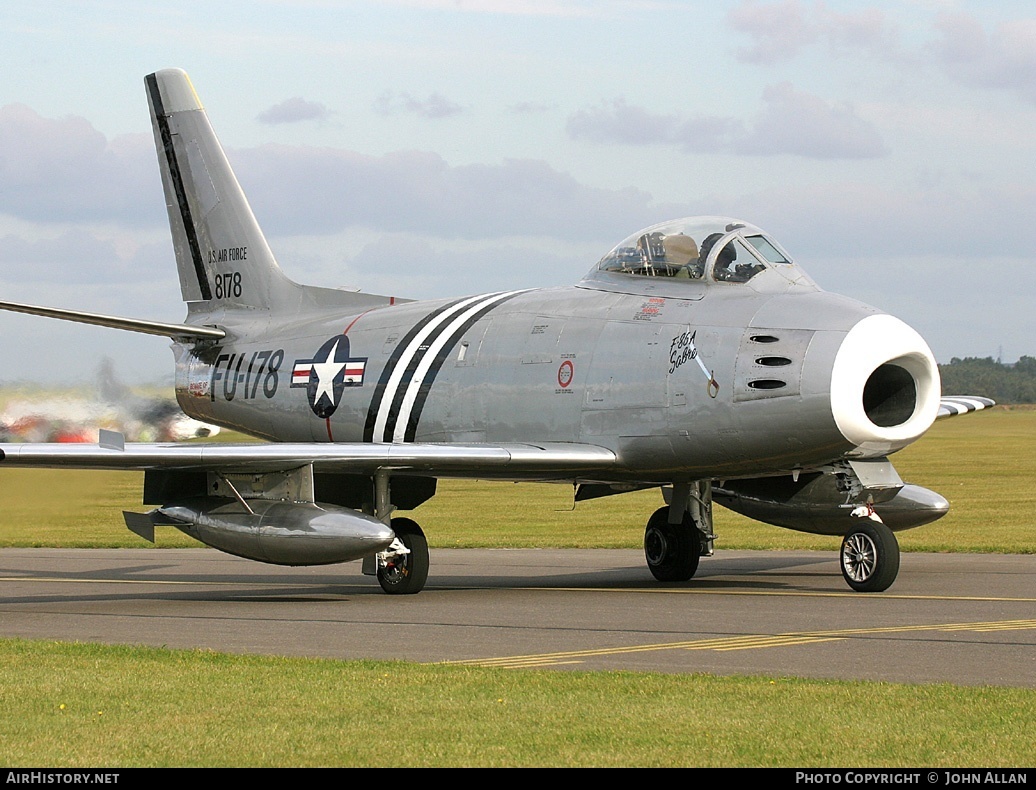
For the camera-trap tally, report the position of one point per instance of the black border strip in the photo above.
(181, 193)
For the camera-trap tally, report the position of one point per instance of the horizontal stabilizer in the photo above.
(952, 405)
(182, 332)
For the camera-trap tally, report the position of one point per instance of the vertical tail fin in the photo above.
(222, 256)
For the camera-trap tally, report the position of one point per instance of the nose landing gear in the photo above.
(870, 557)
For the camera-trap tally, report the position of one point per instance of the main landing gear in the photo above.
(870, 557)
(402, 569)
(672, 550)
(404, 572)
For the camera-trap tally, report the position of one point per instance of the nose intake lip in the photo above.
(884, 385)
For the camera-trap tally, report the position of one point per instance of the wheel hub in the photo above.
(395, 570)
(656, 547)
(859, 557)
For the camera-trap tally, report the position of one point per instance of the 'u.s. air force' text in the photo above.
(228, 285)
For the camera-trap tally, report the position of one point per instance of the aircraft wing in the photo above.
(952, 405)
(542, 461)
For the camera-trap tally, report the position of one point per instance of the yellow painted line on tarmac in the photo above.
(779, 641)
(552, 658)
(746, 642)
(780, 593)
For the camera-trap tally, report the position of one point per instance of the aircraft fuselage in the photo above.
(678, 387)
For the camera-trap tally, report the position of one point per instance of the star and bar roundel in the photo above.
(329, 372)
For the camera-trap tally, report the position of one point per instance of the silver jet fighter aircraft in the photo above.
(696, 357)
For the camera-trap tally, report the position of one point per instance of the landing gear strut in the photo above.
(870, 557)
(405, 574)
(672, 550)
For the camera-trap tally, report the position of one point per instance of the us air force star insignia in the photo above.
(327, 374)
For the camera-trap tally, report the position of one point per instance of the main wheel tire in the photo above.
(406, 575)
(870, 557)
(672, 551)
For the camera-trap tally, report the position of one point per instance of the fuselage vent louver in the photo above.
(767, 384)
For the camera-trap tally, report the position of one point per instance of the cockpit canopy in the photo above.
(718, 249)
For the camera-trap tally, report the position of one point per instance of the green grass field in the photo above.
(70, 705)
(98, 706)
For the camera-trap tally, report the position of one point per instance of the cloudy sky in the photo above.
(429, 148)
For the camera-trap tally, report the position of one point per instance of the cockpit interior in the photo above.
(705, 249)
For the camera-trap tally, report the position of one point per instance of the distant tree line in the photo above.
(1003, 383)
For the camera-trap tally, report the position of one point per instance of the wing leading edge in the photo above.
(556, 459)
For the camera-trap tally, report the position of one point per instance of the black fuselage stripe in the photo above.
(408, 377)
(386, 372)
(440, 358)
(178, 187)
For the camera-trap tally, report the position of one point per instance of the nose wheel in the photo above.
(870, 557)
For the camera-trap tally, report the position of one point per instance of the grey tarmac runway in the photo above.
(956, 618)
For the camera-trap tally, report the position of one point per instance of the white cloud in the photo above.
(780, 31)
(791, 122)
(796, 122)
(543, 8)
(1005, 59)
(619, 122)
(293, 110)
(66, 170)
(871, 221)
(434, 107)
(324, 190)
(76, 256)
(867, 29)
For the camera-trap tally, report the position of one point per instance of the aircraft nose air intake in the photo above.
(884, 385)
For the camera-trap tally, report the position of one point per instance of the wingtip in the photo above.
(952, 405)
